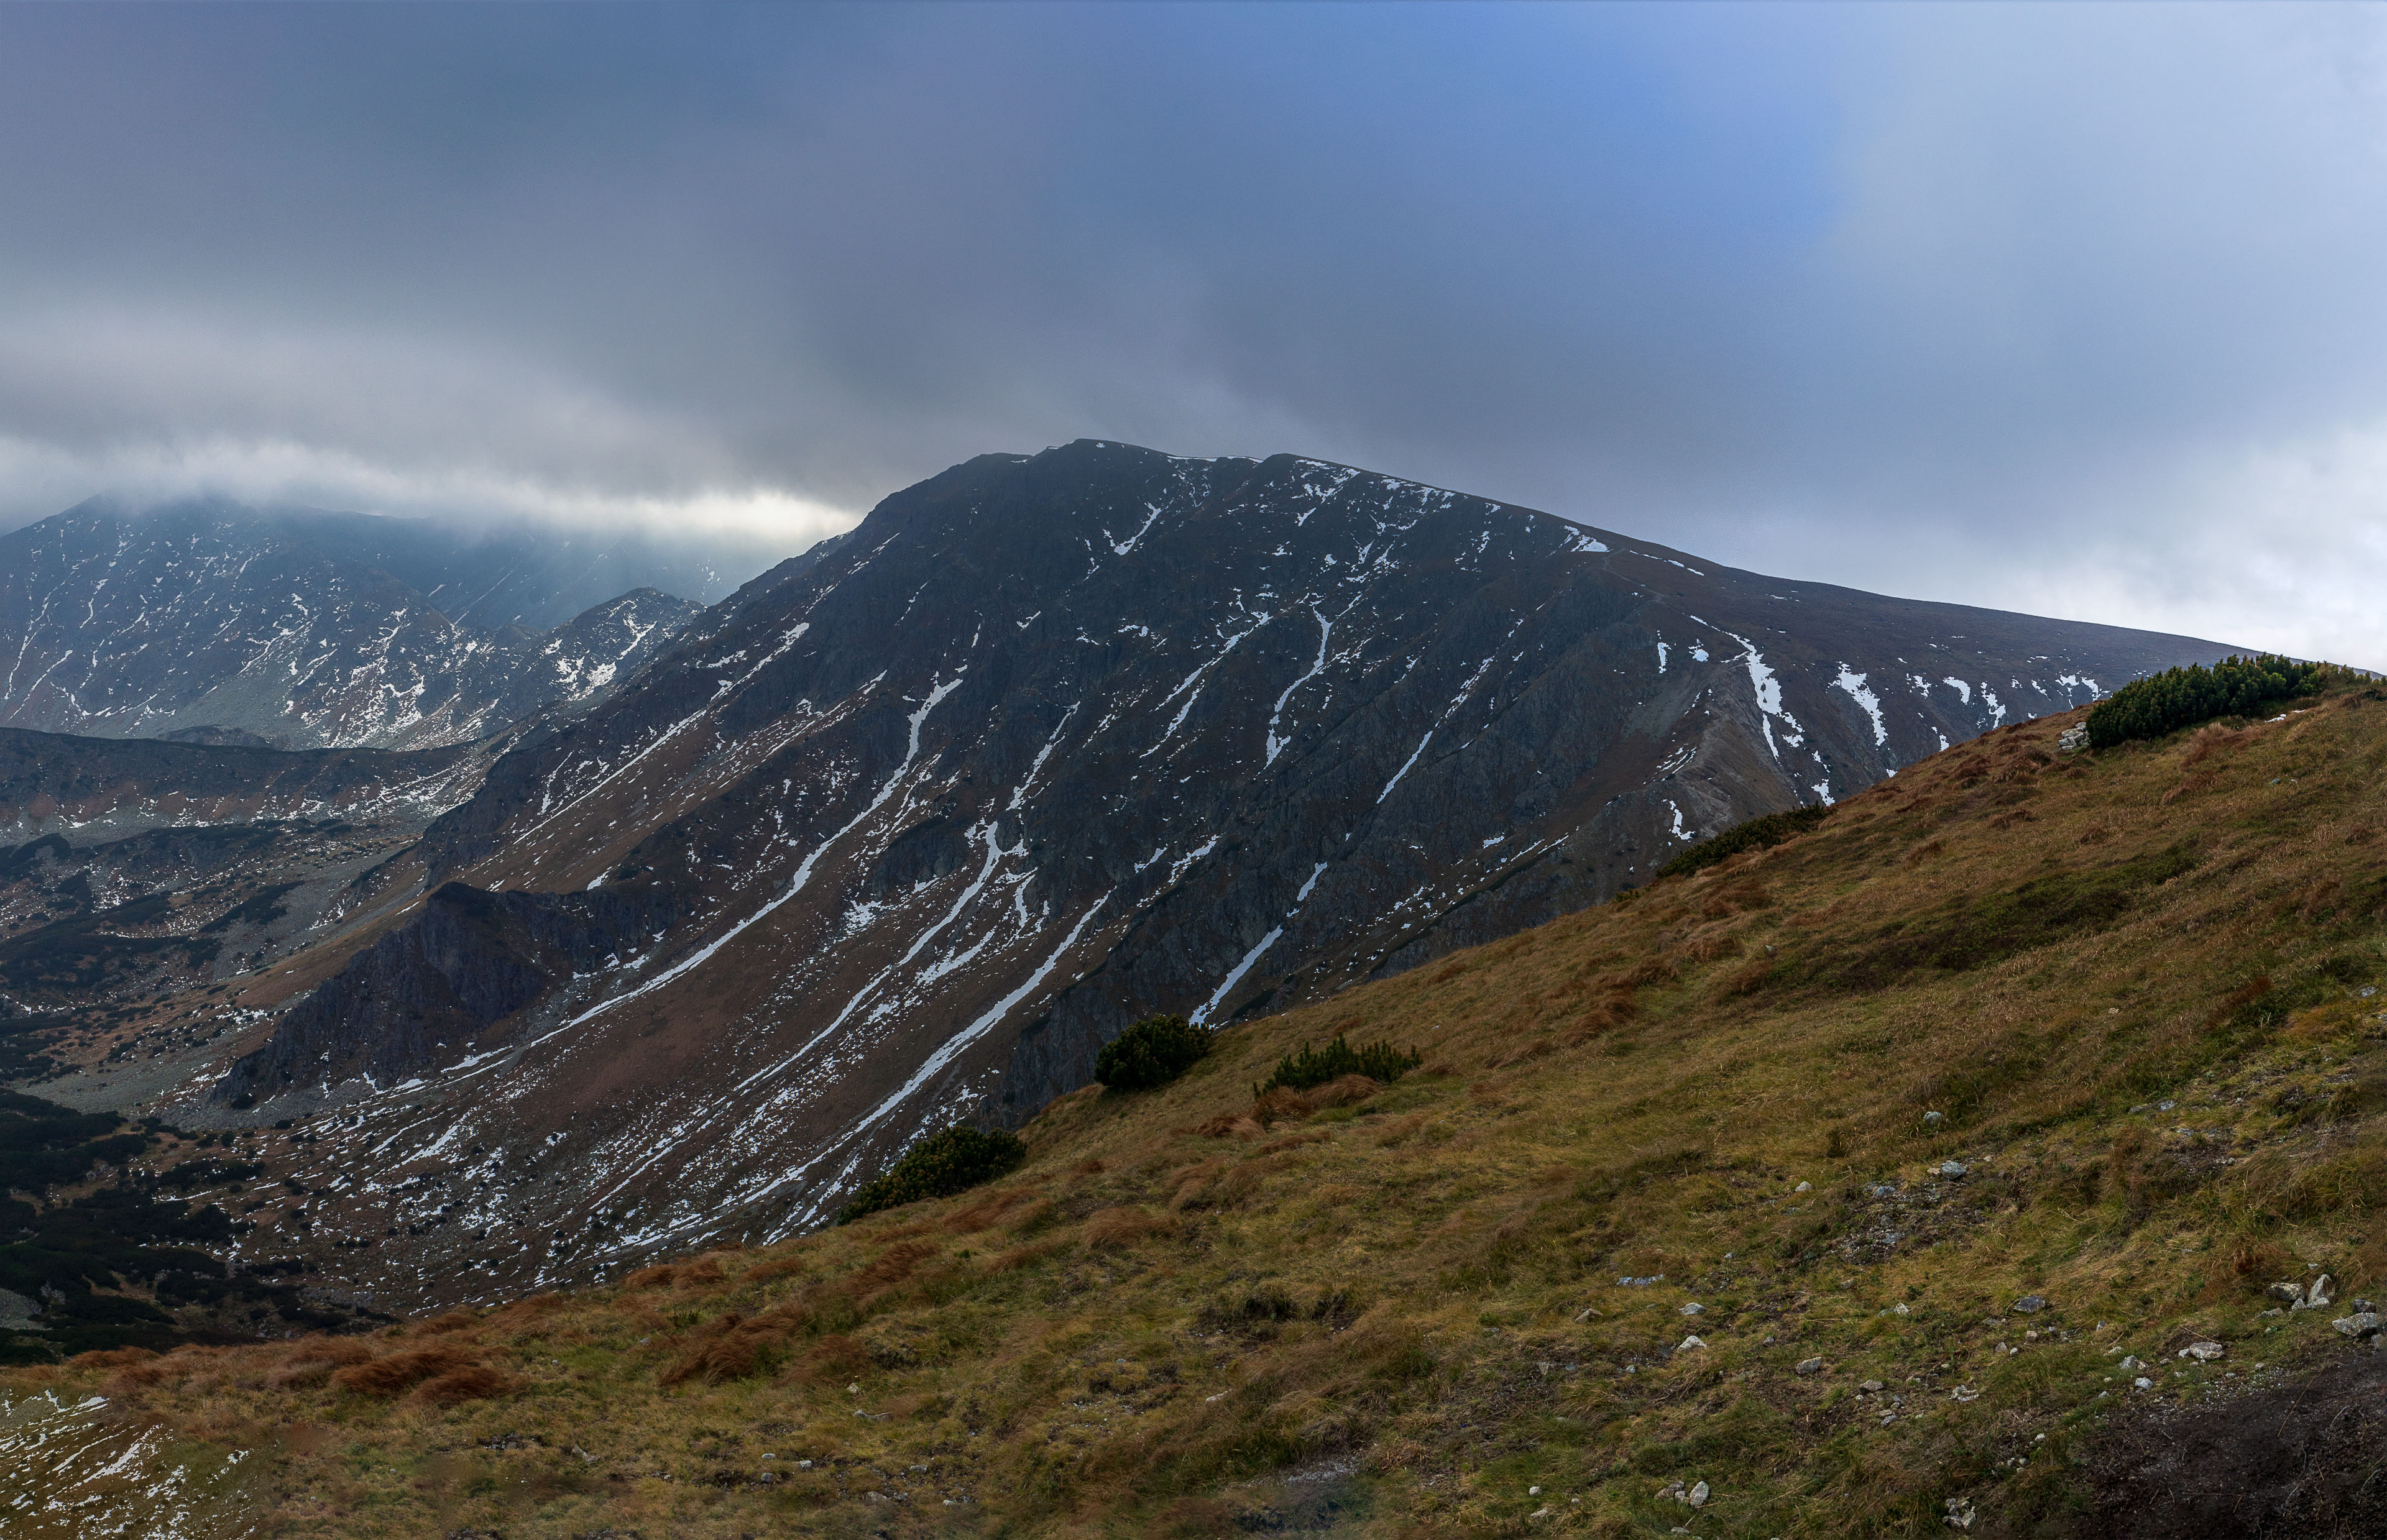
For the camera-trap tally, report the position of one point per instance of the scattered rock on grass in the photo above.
(2314, 1296)
(1811, 1366)
(2203, 1352)
(2364, 1324)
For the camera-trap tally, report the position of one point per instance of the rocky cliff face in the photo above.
(425, 993)
(222, 623)
(1047, 743)
(131, 867)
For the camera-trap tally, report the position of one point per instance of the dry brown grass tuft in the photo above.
(774, 1267)
(1711, 945)
(1226, 1125)
(1520, 1053)
(1344, 1091)
(990, 1209)
(892, 1267)
(174, 1369)
(112, 1357)
(472, 1383)
(2210, 740)
(529, 1309)
(732, 1347)
(1279, 1104)
(312, 1361)
(1119, 1228)
(402, 1370)
(454, 1320)
(1747, 979)
(1026, 1255)
(833, 1360)
(702, 1272)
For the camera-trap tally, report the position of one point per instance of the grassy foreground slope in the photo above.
(2135, 988)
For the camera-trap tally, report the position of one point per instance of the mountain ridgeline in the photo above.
(900, 834)
(298, 629)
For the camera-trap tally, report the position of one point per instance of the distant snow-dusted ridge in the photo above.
(292, 630)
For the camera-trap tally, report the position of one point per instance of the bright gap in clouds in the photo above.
(42, 480)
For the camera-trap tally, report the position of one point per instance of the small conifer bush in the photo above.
(2184, 697)
(1770, 828)
(1378, 1061)
(939, 1166)
(1151, 1053)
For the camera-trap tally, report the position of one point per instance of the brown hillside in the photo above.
(2128, 995)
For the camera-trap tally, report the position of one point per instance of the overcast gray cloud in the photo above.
(2071, 309)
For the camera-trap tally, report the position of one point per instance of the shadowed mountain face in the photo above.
(909, 827)
(217, 624)
(130, 866)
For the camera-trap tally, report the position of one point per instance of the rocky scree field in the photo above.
(1988, 1160)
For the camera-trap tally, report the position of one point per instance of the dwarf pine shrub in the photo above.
(1378, 1061)
(1770, 828)
(1151, 1053)
(2184, 697)
(939, 1166)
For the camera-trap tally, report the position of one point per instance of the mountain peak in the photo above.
(903, 834)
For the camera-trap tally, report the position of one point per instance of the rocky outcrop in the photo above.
(426, 991)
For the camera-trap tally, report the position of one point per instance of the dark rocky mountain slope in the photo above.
(902, 831)
(215, 622)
